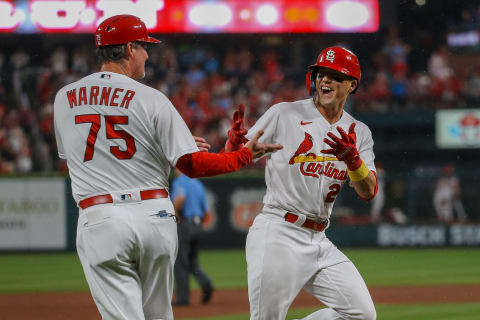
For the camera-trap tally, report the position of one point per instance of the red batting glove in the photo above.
(345, 148)
(236, 135)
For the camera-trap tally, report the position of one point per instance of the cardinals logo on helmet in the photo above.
(330, 55)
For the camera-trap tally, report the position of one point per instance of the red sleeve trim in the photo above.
(233, 147)
(376, 188)
(205, 164)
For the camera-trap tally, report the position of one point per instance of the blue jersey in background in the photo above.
(195, 196)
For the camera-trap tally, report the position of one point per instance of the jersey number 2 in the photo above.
(335, 189)
(112, 133)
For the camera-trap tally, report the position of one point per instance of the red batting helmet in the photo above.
(338, 59)
(122, 29)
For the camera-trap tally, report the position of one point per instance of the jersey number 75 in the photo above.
(111, 132)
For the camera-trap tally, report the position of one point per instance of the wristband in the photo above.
(360, 173)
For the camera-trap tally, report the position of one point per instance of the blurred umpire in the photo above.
(190, 203)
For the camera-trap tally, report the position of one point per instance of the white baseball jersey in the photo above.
(300, 169)
(119, 137)
(282, 257)
(118, 134)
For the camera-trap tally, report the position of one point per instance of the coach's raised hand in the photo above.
(259, 149)
(236, 134)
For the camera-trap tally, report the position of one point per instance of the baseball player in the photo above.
(286, 248)
(447, 196)
(120, 139)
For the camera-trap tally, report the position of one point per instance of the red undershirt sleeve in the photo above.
(205, 164)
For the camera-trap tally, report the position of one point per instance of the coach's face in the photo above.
(140, 55)
(333, 87)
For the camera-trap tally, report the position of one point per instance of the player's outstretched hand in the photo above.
(344, 148)
(259, 149)
(202, 144)
(236, 134)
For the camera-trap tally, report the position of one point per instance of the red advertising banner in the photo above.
(194, 16)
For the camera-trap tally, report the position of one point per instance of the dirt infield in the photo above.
(76, 306)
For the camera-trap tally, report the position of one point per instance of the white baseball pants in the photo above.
(283, 258)
(127, 252)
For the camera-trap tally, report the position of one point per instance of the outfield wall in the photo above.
(38, 213)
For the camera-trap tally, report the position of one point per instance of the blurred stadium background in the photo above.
(420, 96)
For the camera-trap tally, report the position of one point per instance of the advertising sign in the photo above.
(458, 128)
(32, 213)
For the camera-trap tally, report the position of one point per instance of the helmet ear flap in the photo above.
(310, 81)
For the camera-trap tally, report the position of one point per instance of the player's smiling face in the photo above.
(333, 87)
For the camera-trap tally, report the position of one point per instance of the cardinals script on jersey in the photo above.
(311, 165)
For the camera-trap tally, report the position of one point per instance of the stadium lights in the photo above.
(267, 15)
(210, 15)
(190, 16)
(144, 9)
(87, 16)
(245, 14)
(9, 16)
(56, 14)
(347, 14)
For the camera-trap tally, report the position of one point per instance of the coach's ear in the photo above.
(129, 50)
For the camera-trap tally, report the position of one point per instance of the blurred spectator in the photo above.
(397, 51)
(380, 209)
(439, 65)
(395, 200)
(206, 82)
(58, 60)
(470, 19)
(195, 75)
(379, 92)
(446, 87)
(472, 88)
(399, 89)
(447, 197)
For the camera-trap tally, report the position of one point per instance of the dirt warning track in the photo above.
(79, 305)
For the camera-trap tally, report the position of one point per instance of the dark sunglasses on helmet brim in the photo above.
(144, 45)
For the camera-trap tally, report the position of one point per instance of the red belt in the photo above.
(107, 198)
(309, 223)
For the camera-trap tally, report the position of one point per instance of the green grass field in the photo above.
(388, 267)
(466, 311)
(63, 272)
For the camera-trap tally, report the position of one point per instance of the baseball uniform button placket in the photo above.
(308, 223)
(107, 198)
